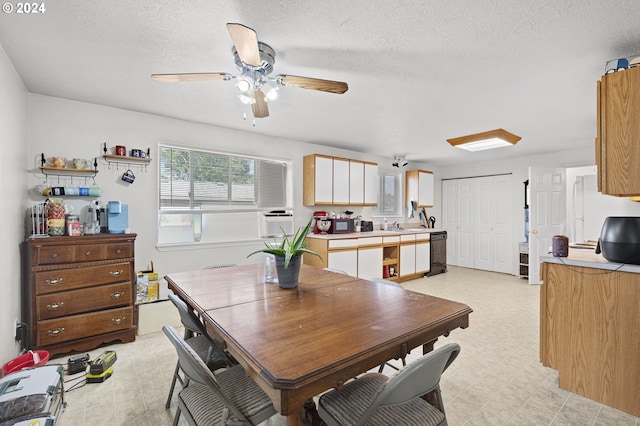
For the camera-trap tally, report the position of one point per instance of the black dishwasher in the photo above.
(438, 253)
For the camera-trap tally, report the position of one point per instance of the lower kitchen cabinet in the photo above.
(398, 257)
(78, 292)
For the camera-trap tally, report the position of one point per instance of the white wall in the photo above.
(60, 127)
(13, 117)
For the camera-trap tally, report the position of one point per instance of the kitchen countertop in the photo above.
(376, 233)
(589, 259)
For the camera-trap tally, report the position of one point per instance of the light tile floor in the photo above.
(496, 380)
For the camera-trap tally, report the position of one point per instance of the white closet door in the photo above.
(493, 251)
(477, 215)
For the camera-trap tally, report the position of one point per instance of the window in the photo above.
(211, 197)
(389, 195)
(201, 180)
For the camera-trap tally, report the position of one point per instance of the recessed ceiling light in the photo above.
(485, 140)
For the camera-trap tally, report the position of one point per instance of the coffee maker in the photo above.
(318, 216)
(118, 217)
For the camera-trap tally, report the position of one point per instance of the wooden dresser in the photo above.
(79, 292)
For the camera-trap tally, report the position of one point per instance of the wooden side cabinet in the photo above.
(78, 292)
(618, 133)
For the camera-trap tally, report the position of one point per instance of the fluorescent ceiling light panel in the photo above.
(485, 140)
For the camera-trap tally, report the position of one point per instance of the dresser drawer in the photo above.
(53, 255)
(118, 251)
(69, 279)
(88, 252)
(79, 326)
(59, 304)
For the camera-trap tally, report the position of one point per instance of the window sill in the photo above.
(165, 247)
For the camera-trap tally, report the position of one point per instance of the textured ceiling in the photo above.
(419, 72)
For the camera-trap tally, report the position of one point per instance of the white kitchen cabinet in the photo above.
(317, 180)
(344, 260)
(423, 256)
(419, 187)
(340, 181)
(371, 183)
(407, 255)
(369, 257)
(356, 182)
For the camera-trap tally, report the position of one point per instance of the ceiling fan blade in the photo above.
(260, 108)
(312, 83)
(246, 42)
(196, 76)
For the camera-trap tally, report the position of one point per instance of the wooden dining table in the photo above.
(297, 343)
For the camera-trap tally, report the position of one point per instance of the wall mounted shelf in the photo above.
(125, 160)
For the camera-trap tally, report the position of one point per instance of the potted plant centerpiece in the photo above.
(288, 255)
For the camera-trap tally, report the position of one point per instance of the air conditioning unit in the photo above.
(276, 223)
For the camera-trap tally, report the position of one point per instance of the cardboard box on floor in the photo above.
(147, 285)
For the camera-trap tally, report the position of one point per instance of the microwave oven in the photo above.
(341, 226)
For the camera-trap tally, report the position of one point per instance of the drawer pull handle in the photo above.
(117, 295)
(55, 306)
(87, 253)
(55, 332)
(117, 320)
(54, 255)
(54, 281)
(118, 251)
(116, 273)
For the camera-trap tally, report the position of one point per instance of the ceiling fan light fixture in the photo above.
(244, 85)
(272, 93)
(492, 139)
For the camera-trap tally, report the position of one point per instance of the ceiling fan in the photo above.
(255, 85)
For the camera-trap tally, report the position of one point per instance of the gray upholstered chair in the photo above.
(220, 265)
(375, 399)
(195, 335)
(336, 270)
(392, 284)
(227, 396)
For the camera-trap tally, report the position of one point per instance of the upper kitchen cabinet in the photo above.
(419, 187)
(618, 133)
(335, 181)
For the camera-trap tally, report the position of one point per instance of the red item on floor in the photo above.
(26, 360)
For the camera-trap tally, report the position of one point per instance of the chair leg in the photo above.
(176, 417)
(173, 385)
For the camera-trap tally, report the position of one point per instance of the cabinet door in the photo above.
(356, 182)
(423, 257)
(425, 189)
(340, 181)
(370, 262)
(324, 180)
(370, 184)
(407, 259)
(345, 260)
(618, 130)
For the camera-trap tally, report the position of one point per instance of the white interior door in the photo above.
(493, 251)
(466, 223)
(547, 213)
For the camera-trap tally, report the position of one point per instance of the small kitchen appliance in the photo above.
(118, 217)
(341, 226)
(620, 239)
(318, 216)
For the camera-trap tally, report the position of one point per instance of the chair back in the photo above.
(220, 265)
(195, 369)
(187, 317)
(336, 270)
(419, 377)
(386, 282)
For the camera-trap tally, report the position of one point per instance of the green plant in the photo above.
(289, 247)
